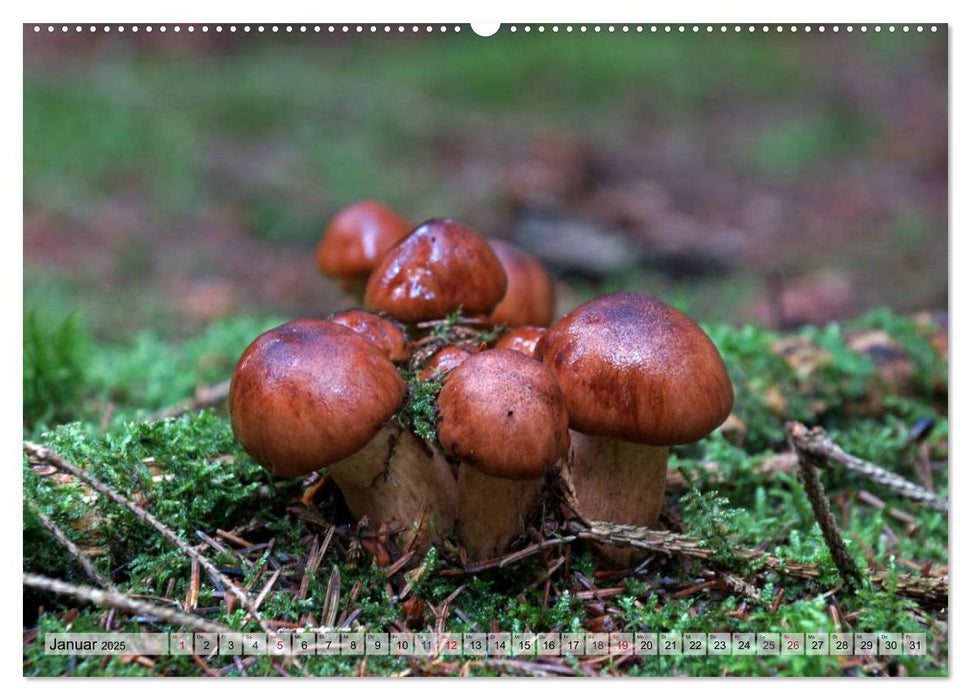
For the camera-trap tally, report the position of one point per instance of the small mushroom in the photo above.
(530, 295)
(312, 394)
(438, 268)
(638, 377)
(354, 241)
(521, 339)
(444, 361)
(386, 334)
(503, 416)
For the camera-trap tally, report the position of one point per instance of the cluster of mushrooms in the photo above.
(594, 400)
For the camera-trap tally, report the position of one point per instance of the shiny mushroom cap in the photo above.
(636, 369)
(503, 414)
(521, 339)
(530, 296)
(387, 335)
(310, 393)
(444, 361)
(441, 266)
(357, 237)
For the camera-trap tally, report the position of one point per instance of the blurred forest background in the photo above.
(172, 180)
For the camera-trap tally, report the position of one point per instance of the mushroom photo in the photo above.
(390, 349)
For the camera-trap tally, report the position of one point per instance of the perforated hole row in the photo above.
(447, 28)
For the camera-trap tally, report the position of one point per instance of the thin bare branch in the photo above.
(73, 549)
(809, 476)
(119, 601)
(815, 442)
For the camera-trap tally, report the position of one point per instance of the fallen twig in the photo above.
(809, 476)
(114, 599)
(499, 562)
(929, 589)
(262, 596)
(72, 548)
(815, 442)
(528, 667)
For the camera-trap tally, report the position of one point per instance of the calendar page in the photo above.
(543, 349)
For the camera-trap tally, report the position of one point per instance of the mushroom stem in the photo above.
(393, 478)
(617, 481)
(492, 511)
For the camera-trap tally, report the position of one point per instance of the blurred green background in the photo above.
(173, 180)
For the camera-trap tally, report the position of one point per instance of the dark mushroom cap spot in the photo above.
(357, 237)
(440, 266)
(634, 368)
(504, 414)
(310, 393)
(530, 295)
(386, 334)
(521, 339)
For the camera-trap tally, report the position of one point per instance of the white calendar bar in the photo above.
(519, 644)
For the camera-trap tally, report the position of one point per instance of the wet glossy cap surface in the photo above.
(521, 339)
(444, 361)
(634, 368)
(504, 414)
(310, 393)
(387, 335)
(357, 237)
(530, 295)
(441, 266)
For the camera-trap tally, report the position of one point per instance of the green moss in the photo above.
(188, 472)
(419, 411)
(55, 356)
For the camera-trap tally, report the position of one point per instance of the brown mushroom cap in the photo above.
(521, 339)
(444, 361)
(310, 393)
(441, 266)
(386, 334)
(357, 237)
(636, 369)
(530, 294)
(504, 414)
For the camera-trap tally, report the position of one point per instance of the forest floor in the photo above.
(291, 545)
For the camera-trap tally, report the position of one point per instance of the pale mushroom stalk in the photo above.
(494, 511)
(394, 479)
(617, 480)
